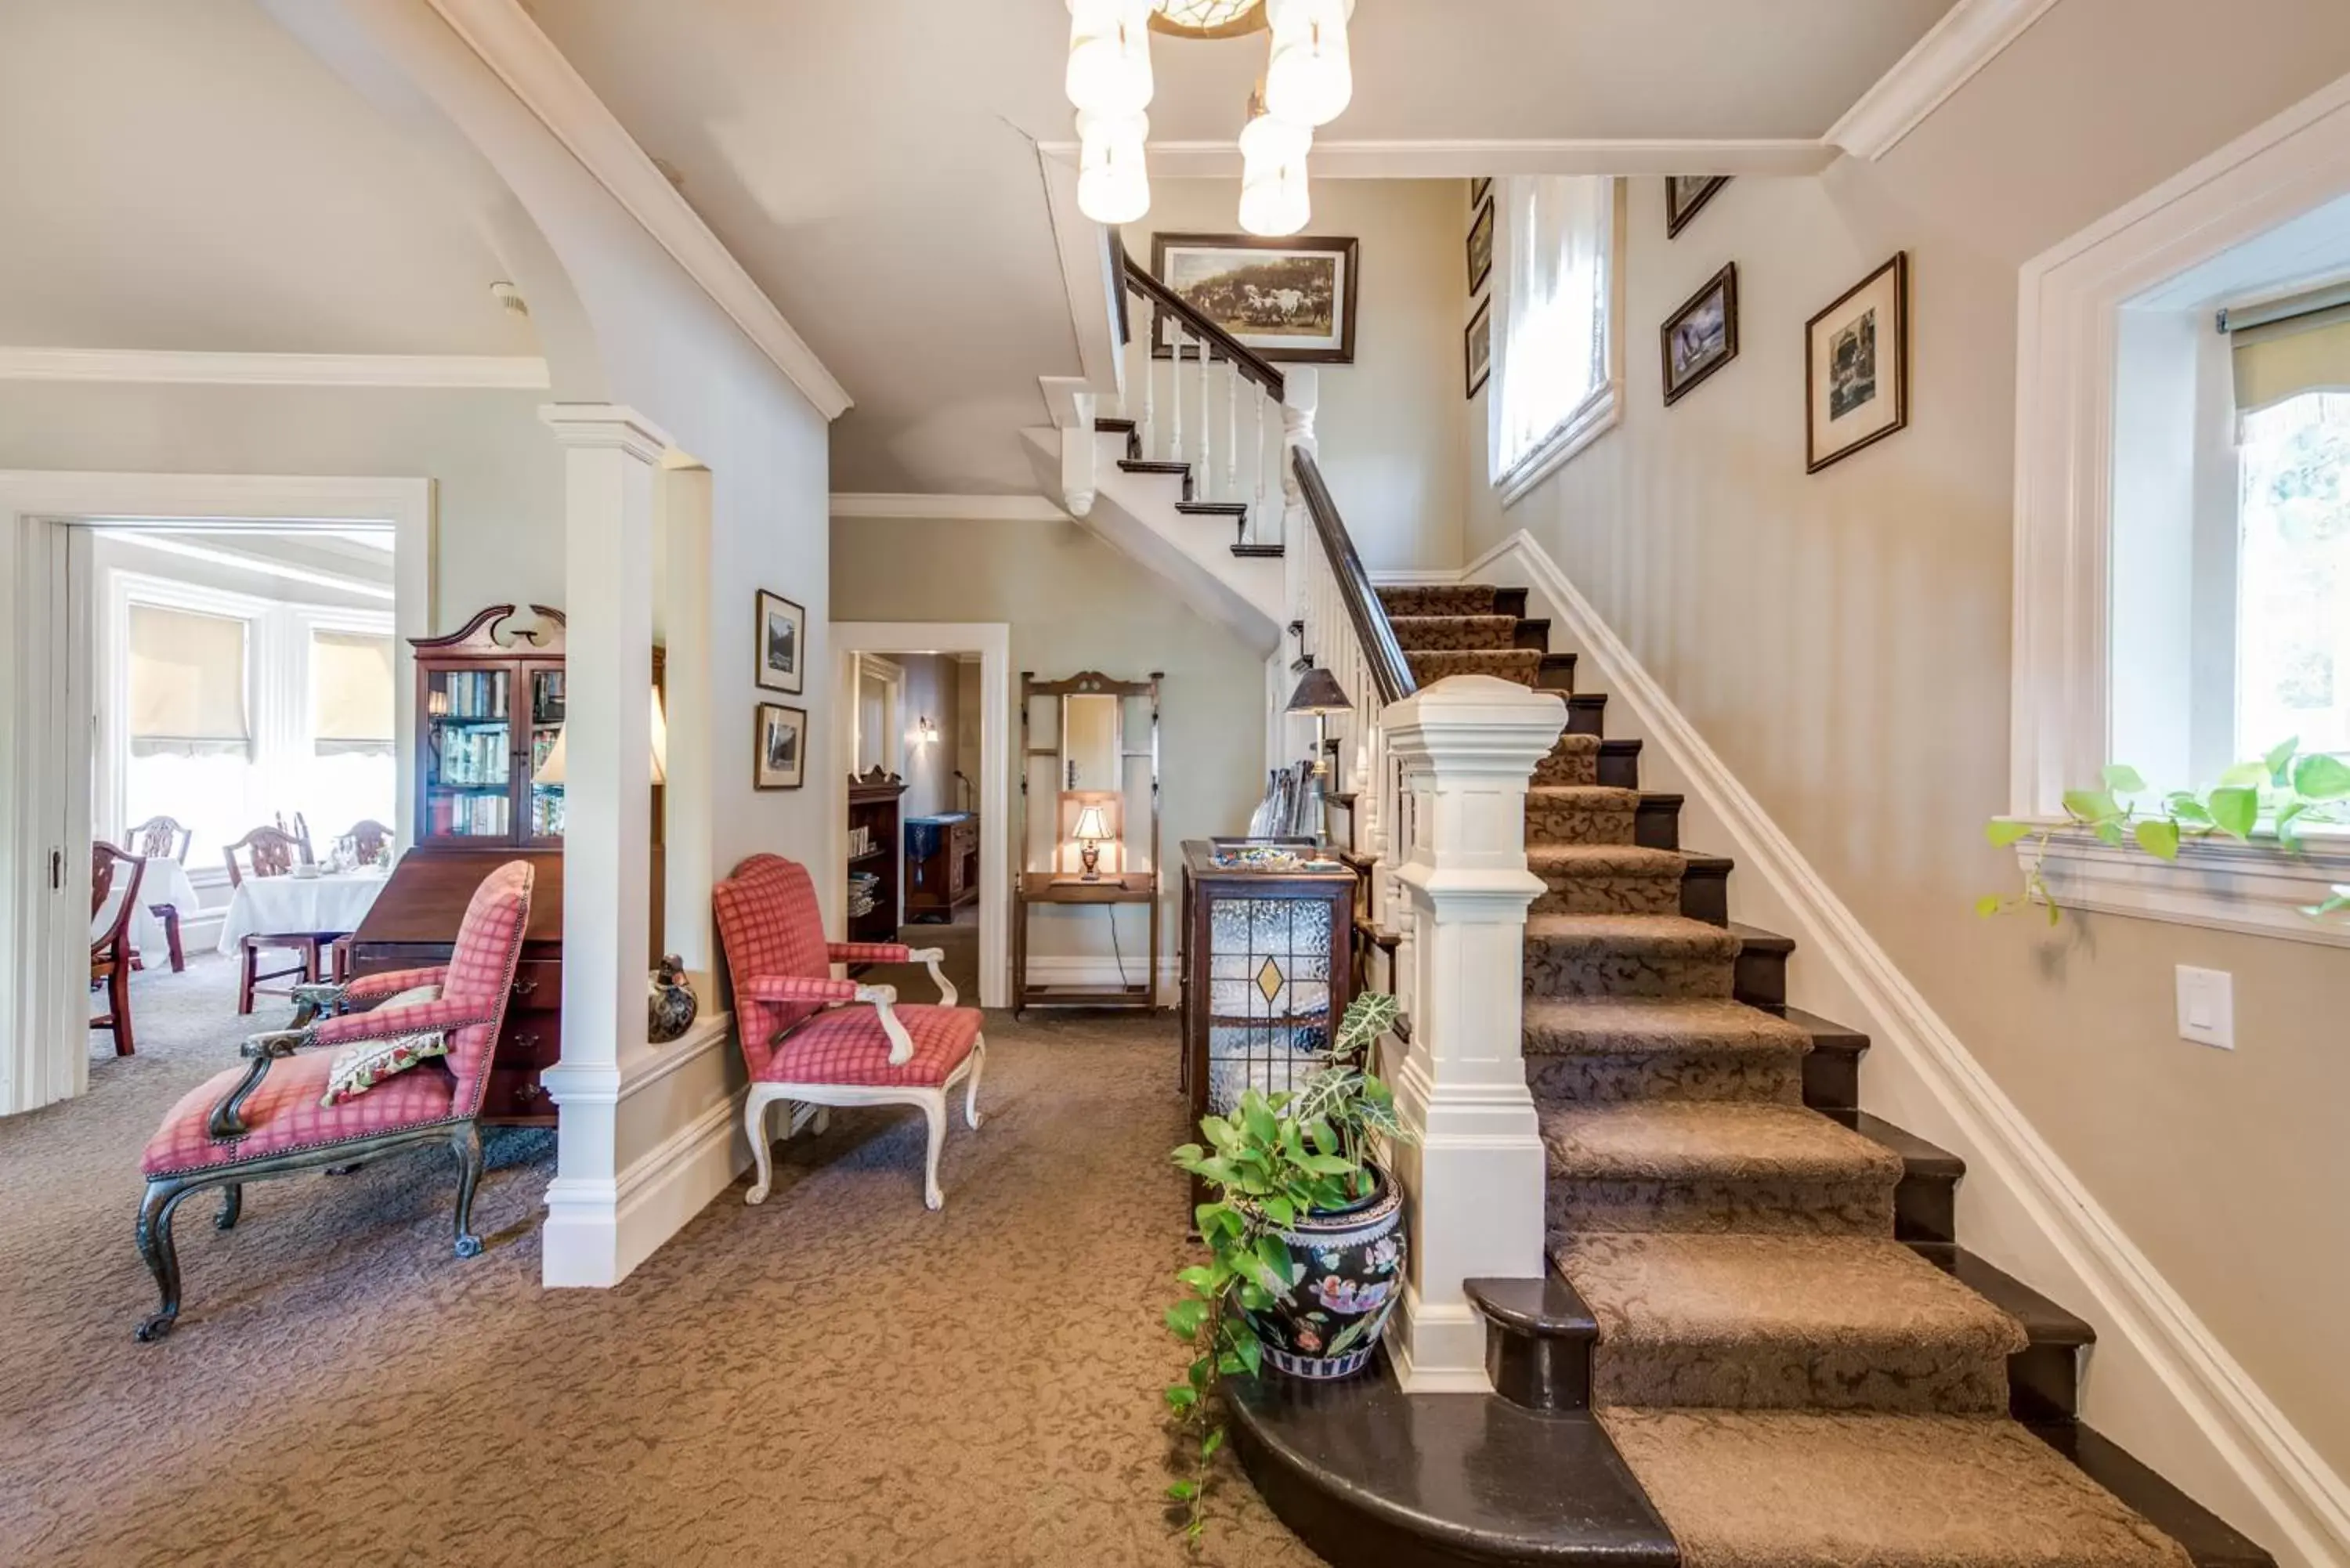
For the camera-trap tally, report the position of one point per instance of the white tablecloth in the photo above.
(266, 905)
(163, 882)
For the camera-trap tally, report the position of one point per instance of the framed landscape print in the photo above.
(1477, 346)
(1702, 336)
(1684, 194)
(1289, 299)
(783, 644)
(1481, 248)
(779, 750)
(1477, 189)
(1856, 367)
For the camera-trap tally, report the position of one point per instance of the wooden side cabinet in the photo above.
(941, 863)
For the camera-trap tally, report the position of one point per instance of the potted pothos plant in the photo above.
(1303, 1234)
(2278, 795)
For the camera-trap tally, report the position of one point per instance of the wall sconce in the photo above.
(925, 733)
(1091, 830)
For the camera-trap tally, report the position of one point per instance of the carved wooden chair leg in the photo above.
(232, 1204)
(467, 1143)
(162, 1259)
(118, 1003)
(346, 1167)
(754, 1128)
(970, 1117)
(934, 1109)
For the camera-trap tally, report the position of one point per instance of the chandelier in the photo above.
(1309, 82)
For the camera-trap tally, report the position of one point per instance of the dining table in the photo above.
(330, 903)
(165, 883)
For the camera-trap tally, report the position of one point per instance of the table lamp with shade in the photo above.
(550, 768)
(1091, 829)
(1318, 693)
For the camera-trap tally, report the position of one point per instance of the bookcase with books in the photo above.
(490, 708)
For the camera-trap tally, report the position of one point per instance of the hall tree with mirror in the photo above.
(1089, 824)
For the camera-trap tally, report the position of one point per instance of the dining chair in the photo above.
(300, 834)
(366, 840)
(164, 838)
(114, 877)
(271, 852)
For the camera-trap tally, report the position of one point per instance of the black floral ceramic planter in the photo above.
(1345, 1269)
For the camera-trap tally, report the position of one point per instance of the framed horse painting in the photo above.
(1290, 299)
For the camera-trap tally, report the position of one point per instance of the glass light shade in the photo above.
(1091, 824)
(1311, 77)
(1113, 185)
(1110, 56)
(1274, 200)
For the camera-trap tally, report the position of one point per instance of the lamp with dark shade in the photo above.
(1320, 694)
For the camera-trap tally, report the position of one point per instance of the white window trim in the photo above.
(2069, 301)
(1597, 414)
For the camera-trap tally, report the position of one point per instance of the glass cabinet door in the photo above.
(469, 754)
(545, 795)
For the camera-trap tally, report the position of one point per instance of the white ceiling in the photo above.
(183, 175)
(872, 162)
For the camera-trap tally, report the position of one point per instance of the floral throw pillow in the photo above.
(363, 1063)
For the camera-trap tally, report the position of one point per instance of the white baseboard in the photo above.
(675, 1181)
(1102, 972)
(2171, 1390)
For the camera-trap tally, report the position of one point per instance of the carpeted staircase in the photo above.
(1794, 1376)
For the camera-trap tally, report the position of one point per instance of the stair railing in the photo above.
(1344, 628)
(1198, 395)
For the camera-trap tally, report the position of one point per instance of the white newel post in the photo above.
(1473, 1183)
(610, 457)
(1301, 396)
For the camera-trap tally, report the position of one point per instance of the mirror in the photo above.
(1090, 743)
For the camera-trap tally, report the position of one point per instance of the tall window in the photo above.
(192, 749)
(2293, 588)
(353, 770)
(1556, 387)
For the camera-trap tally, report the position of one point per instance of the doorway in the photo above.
(929, 703)
(355, 553)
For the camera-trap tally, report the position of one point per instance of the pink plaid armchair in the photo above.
(268, 1117)
(813, 1041)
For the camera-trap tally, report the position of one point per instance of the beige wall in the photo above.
(498, 472)
(1842, 641)
(930, 770)
(1391, 441)
(1075, 604)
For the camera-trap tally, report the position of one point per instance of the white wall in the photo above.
(930, 692)
(1842, 641)
(1392, 445)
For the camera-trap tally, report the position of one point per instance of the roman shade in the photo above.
(350, 692)
(2291, 347)
(187, 683)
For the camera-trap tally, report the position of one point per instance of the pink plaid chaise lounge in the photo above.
(267, 1119)
(814, 1040)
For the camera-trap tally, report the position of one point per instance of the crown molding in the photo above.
(527, 61)
(1970, 35)
(950, 508)
(1463, 160)
(186, 368)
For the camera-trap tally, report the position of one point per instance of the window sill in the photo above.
(2257, 888)
(1599, 414)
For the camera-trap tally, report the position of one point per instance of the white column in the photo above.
(1473, 1182)
(610, 457)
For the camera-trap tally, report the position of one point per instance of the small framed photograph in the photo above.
(1477, 346)
(1684, 194)
(1856, 367)
(1481, 248)
(1477, 191)
(1702, 336)
(779, 759)
(783, 644)
(1290, 299)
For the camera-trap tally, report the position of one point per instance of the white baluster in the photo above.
(1204, 475)
(1175, 381)
(1150, 387)
(1232, 436)
(1256, 517)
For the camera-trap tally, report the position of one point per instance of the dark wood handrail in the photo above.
(1391, 671)
(1247, 361)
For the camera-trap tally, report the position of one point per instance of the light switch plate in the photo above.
(2207, 1007)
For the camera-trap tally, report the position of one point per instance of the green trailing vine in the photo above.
(1277, 1158)
(2277, 797)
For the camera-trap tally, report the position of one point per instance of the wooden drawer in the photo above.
(537, 986)
(515, 1096)
(530, 1039)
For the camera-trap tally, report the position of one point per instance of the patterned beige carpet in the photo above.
(838, 1378)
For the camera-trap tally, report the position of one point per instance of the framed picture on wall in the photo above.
(783, 644)
(779, 749)
(1684, 194)
(1291, 299)
(1702, 336)
(1477, 346)
(1856, 367)
(1481, 248)
(1477, 191)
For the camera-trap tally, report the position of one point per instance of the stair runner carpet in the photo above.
(1793, 1386)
